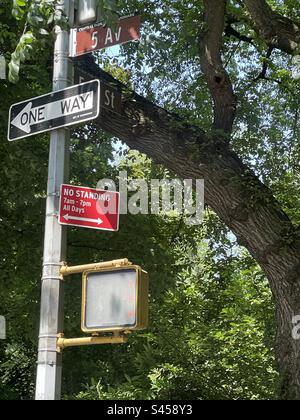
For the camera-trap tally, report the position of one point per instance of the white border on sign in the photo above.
(58, 127)
(73, 43)
(89, 227)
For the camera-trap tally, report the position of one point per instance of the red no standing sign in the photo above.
(89, 208)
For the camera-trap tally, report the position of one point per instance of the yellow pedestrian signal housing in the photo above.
(115, 299)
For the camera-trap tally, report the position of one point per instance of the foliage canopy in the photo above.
(212, 328)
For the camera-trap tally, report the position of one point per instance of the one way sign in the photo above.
(55, 110)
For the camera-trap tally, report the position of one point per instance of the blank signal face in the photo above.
(111, 300)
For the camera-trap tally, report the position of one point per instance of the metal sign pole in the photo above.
(49, 371)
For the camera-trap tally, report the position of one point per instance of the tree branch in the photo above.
(239, 198)
(263, 73)
(211, 41)
(94, 247)
(230, 31)
(277, 30)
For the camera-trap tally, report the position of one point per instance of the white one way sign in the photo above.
(55, 110)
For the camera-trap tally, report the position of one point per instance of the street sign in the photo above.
(115, 299)
(110, 97)
(96, 37)
(89, 208)
(62, 108)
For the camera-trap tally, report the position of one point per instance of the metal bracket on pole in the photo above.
(52, 271)
(54, 214)
(55, 194)
(68, 271)
(63, 343)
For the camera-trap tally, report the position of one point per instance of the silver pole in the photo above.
(49, 371)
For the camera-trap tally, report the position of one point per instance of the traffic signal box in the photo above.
(115, 299)
(114, 302)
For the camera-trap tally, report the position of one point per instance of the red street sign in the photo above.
(96, 37)
(89, 208)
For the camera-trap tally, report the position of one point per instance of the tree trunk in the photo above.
(241, 201)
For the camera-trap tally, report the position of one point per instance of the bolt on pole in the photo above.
(49, 370)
